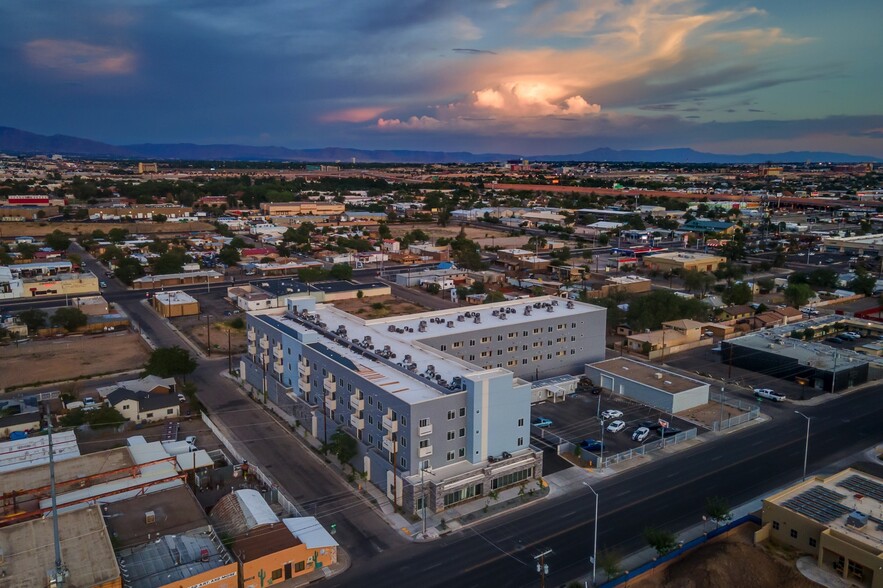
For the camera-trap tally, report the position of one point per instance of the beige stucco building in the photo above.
(175, 303)
(835, 519)
(684, 261)
(301, 208)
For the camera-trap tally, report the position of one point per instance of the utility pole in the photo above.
(229, 354)
(806, 446)
(60, 575)
(721, 421)
(542, 568)
(208, 334)
(423, 495)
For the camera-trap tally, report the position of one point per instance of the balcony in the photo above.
(357, 403)
(278, 368)
(265, 343)
(424, 431)
(356, 422)
(304, 370)
(278, 353)
(389, 444)
(331, 403)
(390, 425)
(424, 451)
(252, 349)
(252, 335)
(329, 387)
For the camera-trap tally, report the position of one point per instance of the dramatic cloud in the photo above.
(73, 57)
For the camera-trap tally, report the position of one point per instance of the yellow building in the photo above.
(175, 303)
(684, 261)
(144, 168)
(835, 519)
(61, 285)
(301, 208)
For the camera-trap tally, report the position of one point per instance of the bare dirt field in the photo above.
(731, 561)
(196, 331)
(390, 306)
(42, 229)
(67, 358)
(707, 414)
(484, 237)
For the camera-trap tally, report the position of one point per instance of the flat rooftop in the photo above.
(404, 336)
(280, 287)
(28, 551)
(67, 470)
(170, 559)
(875, 239)
(809, 353)
(832, 500)
(649, 375)
(174, 297)
(684, 256)
(174, 511)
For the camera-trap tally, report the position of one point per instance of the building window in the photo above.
(536, 331)
(472, 357)
(499, 337)
(524, 361)
(370, 419)
(444, 347)
(462, 411)
(170, 410)
(472, 342)
(424, 422)
(276, 575)
(463, 494)
(812, 542)
(403, 462)
(485, 339)
(520, 422)
(457, 344)
(424, 443)
(520, 441)
(451, 414)
(370, 439)
(370, 401)
(776, 525)
(403, 421)
(794, 533)
(404, 441)
(512, 362)
(461, 452)
(485, 354)
(462, 432)
(379, 405)
(299, 566)
(450, 456)
(451, 435)
(513, 478)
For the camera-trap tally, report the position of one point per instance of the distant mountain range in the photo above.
(16, 141)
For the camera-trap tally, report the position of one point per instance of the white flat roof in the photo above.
(174, 297)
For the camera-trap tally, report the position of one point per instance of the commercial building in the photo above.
(261, 295)
(858, 245)
(145, 168)
(46, 278)
(443, 390)
(139, 212)
(175, 303)
(709, 226)
(684, 261)
(522, 259)
(301, 208)
(648, 384)
(778, 355)
(207, 277)
(24, 453)
(28, 552)
(10, 286)
(836, 520)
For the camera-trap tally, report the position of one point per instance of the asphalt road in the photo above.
(668, 493)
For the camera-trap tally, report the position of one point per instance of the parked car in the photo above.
(591, 445)
(652, 425)
(768, 394)
(541, 422)
(852, 335)
(640, 434)
(181, 397)
(616, 426)
(611, 414)
(667, 431)
(102, 284)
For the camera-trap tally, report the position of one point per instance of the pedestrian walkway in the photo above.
(809, 567)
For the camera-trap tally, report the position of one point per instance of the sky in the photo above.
(487, 76)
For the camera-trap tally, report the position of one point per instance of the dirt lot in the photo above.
(733, 561)
(42, 229)
(196, 330)
(484, 237)
(365, 308)
(707, 414)
(67, 358)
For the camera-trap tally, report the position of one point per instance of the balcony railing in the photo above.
(357, 403)
(390, 425)
(252, 335)
(425, 430)
(424, 451)
(389, 444)
(278, 353)
(278, 368)
(252, 349)
(265, 343)
(356, 422)
(331, 403)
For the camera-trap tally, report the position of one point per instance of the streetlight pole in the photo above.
(721, 421)
(595, 540)
(806, 447)
(208, 334)
(602, 445)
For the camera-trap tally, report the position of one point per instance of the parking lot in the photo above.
(575, 420)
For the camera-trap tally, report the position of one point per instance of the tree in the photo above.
(718, 509)
(610, 562)
(229, 255)
(308, 275)
(798, 294)
(738, 293)
(128, 269)
(33, 319)
(69, 318)
(662, 541)
(167, 362)
(58, 240)
(341, 271)
(863, 284)
(26, 250)
(699, 282)
(170, 262)
(433, 288)
(343, 446)
(238, 243)
(117, 235)
(658, 306)
(384, 231)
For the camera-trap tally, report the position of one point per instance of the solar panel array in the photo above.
(863, 486)
(819, 503)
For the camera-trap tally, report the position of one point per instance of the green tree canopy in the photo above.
(662, 541)
(170, 262)
(343, 446)
(33, 319)
(229, 255)
(58, 240)
(656, 307)
(308, 275)
(167, 362)
(117, 235)
(69, 318)
(341, 271)
(738, 293)
(798, 294)
(128, 269)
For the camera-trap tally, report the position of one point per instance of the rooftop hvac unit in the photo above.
(149, 517)
(450, 324)
(658, 375)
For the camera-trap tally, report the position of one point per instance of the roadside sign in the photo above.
(663, 423)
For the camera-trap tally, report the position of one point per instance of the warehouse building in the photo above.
(175, 303)
(648, 384)
(684, 261)
(443, 390)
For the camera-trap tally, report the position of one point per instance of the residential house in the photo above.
(144, 407)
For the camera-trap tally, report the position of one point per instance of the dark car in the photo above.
(668, 431)
(591, 445)
(652, 425)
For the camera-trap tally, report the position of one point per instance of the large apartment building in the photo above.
(444, 392)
